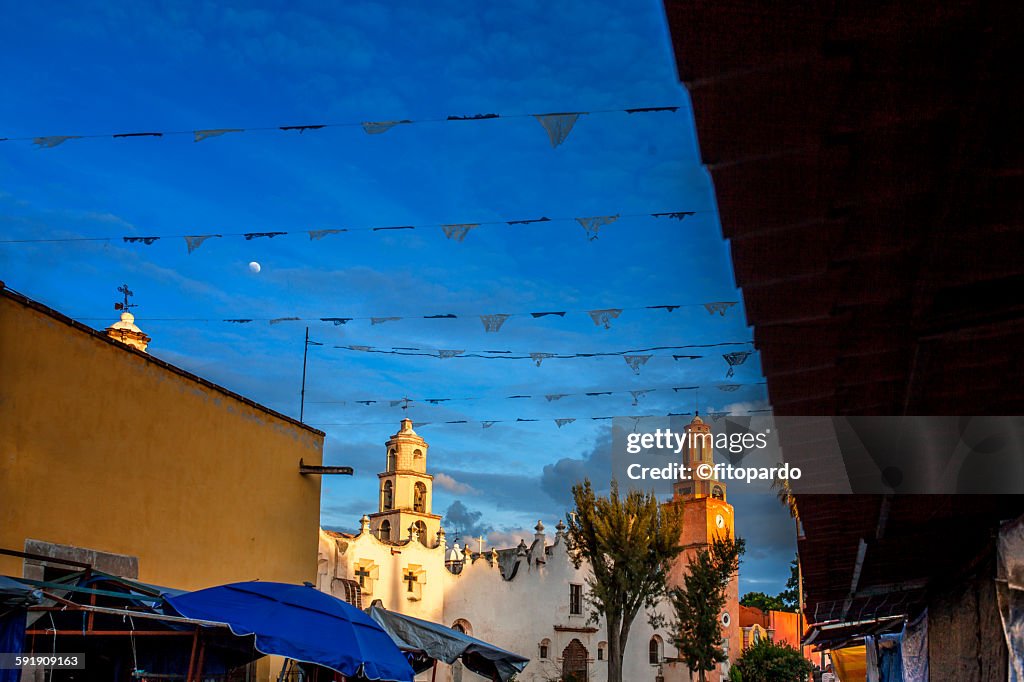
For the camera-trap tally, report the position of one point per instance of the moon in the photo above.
(254, 267)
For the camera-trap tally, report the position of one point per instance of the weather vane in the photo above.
(126, 306)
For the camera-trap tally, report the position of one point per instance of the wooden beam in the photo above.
(324, 470)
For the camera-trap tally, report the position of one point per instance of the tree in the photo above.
(630, 543)
(790, 597)
(766, 661)
(765, 602)
(701, 599)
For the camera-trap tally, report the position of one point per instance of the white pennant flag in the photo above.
(382, 320)
(636, 361)
(555, 396)
(444, 354)
(378, 127)
(558, 126)
(719, 307)
(563, 422)
(604, 317)
(737, 358)
(200, 135)
(540, 357)
(592, 225)
(492, 323)
(458, 232)
(195, 241)
(364, 349)
(52, 141)
(487, 425)
(320, 234)
(728, 388)
(279, 320)
(639, 394)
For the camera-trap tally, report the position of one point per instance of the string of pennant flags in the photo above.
(559, 422)
(635, 359)
(556, 125)
(493, 323)
(452, 231)
(636, 394)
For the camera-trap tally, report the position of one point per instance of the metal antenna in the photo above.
(305, 352)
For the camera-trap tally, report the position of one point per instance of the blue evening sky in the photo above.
(93, 68)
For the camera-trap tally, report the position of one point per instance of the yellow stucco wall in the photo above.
(102, 448)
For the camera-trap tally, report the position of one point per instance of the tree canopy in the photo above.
(630, 543)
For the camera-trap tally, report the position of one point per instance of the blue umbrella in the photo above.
(301, 623)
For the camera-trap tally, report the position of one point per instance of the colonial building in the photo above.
(529, 599)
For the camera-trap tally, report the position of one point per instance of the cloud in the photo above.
(446, 482)
(558, 478)
(461, 520)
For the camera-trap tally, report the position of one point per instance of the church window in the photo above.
(419, 502)
(575, 600)
(385, 531)
(417, 454)
(574, 662)
(601, 647)
(421, 530)
(392, 459)
(387, 500)
(718, 493)
(654, 650)
(545, 645)
(463, 626)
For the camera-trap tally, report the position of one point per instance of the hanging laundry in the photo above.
(279, 320)
(195, 241)
(719, 307)
(558, 126)
(320, 234)
(636, 361)
(200, 135)
(445, 354)
(540, 357)
(337, 321)
(382, 320)
(145, 240)
(736, 358)
(458, 232)
(592, 225)
(378, 127)
(563, 422)
(551, 397)
(52, 141)
(639, 394)
(604, 317)
(492, 323)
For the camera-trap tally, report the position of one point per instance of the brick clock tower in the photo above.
(706, 514)
(406, 492)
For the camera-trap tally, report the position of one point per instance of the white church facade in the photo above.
(529, 599)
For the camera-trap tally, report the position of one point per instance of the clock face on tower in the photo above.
(720, 521)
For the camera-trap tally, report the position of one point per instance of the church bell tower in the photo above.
(406, 492)
(706, 515)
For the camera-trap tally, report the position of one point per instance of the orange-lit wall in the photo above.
(102, 448)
